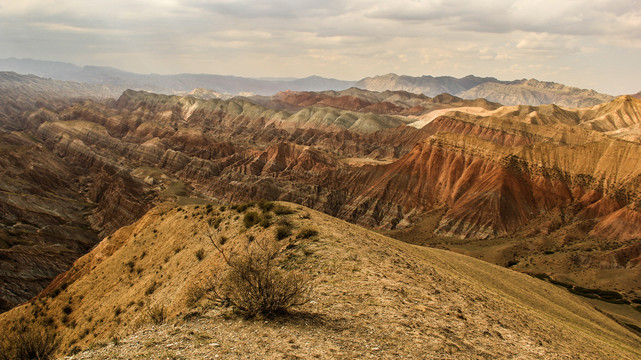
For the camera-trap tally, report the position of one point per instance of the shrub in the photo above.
(306, 233)
(152, 287)
(242, 207)
(67, 309)
(253, 285)
(283, 231)
(194, 294)
(28, 343)
(131, 264)
(251, 218)
(200, 254)
(215, 222)
(282, 210)
(265, 223)
(265, 206)
(156, 313)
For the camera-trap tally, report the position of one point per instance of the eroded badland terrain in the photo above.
(108, 206)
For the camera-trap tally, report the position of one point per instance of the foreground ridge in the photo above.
(372, 294)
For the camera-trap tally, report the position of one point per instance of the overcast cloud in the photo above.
(585, 43)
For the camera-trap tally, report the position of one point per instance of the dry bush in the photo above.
(196, 292)
(28, 343)
(306, 233)
(156, 313)
(264, 205)
(254, 285)
(251, 218)
(282, 210)
(283, 231)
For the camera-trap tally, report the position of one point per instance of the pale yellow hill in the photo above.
(374, 297)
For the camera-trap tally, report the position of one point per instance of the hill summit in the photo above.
(373, 296)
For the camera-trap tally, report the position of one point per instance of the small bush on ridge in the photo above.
(254, 285)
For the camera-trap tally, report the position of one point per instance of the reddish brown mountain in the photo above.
(544, 173)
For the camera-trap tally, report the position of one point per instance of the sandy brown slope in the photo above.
(373, 297)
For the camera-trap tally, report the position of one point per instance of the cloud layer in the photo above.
(594, 44)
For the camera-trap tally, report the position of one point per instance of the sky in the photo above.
(593, 44)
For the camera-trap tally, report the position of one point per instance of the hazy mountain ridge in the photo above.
(427, 85)
(534, 92)
(517, 92)
(167, 84)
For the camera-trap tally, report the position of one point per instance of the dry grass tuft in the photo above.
(156, 313)
(28, 343)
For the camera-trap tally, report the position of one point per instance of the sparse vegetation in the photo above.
(282, 210)
(156, 313)
(251, 218)
(67, 309)
(56, 292)
(264, 205)
(242, 207)
(254, 285)
(200, 254)
(194, 294)
(215, 222)
(265, 222)
(283, 231)
(131, 264)
(306, 233)
(28, 343)
(152, 287)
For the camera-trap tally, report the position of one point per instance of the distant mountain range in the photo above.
(167, 84)
(517, 92)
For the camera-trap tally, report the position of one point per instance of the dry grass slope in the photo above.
(374, 297)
